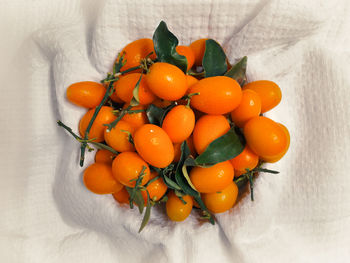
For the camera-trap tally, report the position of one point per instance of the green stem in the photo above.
(97, 110)
(130, 69)
(111, 125)
(81, 140)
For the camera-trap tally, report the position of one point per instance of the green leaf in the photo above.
(135, 101)
(165, 44)
(238, 71)
(182, 182)
(136, 196)
(154, 114)
(214, 59)
(179, 177)
(170, 183)
(222, 149)
(147, 214)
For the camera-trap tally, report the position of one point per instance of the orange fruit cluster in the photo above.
(198, 110)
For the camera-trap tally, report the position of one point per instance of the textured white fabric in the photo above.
(300, 215)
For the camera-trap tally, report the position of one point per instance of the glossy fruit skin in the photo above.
(105, 116)
(249, 107)
(124, 87)
(179, 123)
(136, 119)
(268, 91)
(118, 139)
(154, 145)
(188, 53)
(137, 50)
(245, 160)
(176, 210)
(198, 48)
(128, 166)
(98, 178)
(207, 129)
(212, 179)
(104, 156)
(156, 189)
(86, 94)
(166, 81)
(221, 201)
(265, 137)
(122, 196)
(218, 95)
(276, 158)
(190, 82)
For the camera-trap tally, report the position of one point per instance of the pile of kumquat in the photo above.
(177, 125)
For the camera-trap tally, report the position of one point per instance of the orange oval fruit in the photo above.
(179, 123)
(118, 137)
(217, 95)
(247, 159)
(268, 91)
(136, 119)
(190, 82)
(122, 196)
(156, 189)
(198, 48)
(127, 167)
(114, 97)
(98, 178)
(124, 87)
(222, 201)
(104, 156)
(176, 209)
(273, 159)
(188, 53)
(166, 81)
(154, 145)
(212, 179)
(137, 50)
(105, 116)
(207, 129)
(249, 107)
(86, 94)
(265, 137)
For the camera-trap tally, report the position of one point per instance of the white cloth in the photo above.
(299, 215)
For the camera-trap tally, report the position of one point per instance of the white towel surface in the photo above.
(299, 215)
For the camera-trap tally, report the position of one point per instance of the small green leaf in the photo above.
(214, 59)
(238, 71)
(119, 63)
(154, 114)
(135, 101)
(136, 196)
(139, 201)
(185, 174)
(170, 183)
(165, 44)
(222, 149)
(147, 214)
(179, 177)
